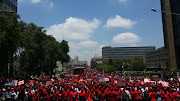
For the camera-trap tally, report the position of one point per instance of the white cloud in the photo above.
(99, 50)
(88, 43)
(35, 1)
(74, 29)
(84, 53)
(51, 5)
(126, 38)
(118, 21)
(122, 0)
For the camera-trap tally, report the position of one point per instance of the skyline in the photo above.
(116, 23)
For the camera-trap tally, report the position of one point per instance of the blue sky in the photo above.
(88, 25)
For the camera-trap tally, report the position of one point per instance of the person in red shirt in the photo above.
(111, 96)
(115, 93)
(54, 95)
(152, 95)
(178, 96)
(166, 95)
(82, 95)
(42, 96)
(36, 96)
(138, 94)
(132, 94)
(30, 95)
(173, 95)
(73, 95)
(89, 99)
(65, 94)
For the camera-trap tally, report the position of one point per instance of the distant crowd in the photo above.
(87, 87)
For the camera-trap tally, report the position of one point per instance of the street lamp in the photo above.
(154, 10)
(123, 70)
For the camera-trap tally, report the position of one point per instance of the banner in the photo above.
(153, 82)
(49, 83)
(164, 84)
(147, 80)
(115, 81)
(15, 82)
(31, 82)
(21, 82)
(106, 79)
(101, 79)
(7, 84)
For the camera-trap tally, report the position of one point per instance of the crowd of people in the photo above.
(87, 87)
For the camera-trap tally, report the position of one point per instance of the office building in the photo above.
(156, 60)
(171, 29)
(9, 4)
(125, 52)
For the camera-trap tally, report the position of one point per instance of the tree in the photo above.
(29, 45)
(63, 50)
(137, 64)
(38, 51)
(9, 38)
(1, 1)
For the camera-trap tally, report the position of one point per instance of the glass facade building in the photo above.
(156, 59)
(125, 52)
(9, 4)
(171, 29)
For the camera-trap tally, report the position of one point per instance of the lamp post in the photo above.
(154, 10)
(123, 70)
(171, 47)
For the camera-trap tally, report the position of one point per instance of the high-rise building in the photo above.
(9, 4)
(171, 28)
(125, 52)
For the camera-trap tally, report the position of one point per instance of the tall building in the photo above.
(125, 52)
(9, 4)
(171, 29)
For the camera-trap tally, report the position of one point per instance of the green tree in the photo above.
(63, 51)
(137, 64)
(1, 1)
(29, 46)
(9, 38)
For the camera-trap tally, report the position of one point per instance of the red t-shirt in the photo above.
(153, 96)
(73, 95)
(65, 94)
(48, 97)
(173, 96)
(166, 96)
(82, 95)
(111, 96)
(137, 94)
(89, 99)
(103, 96)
